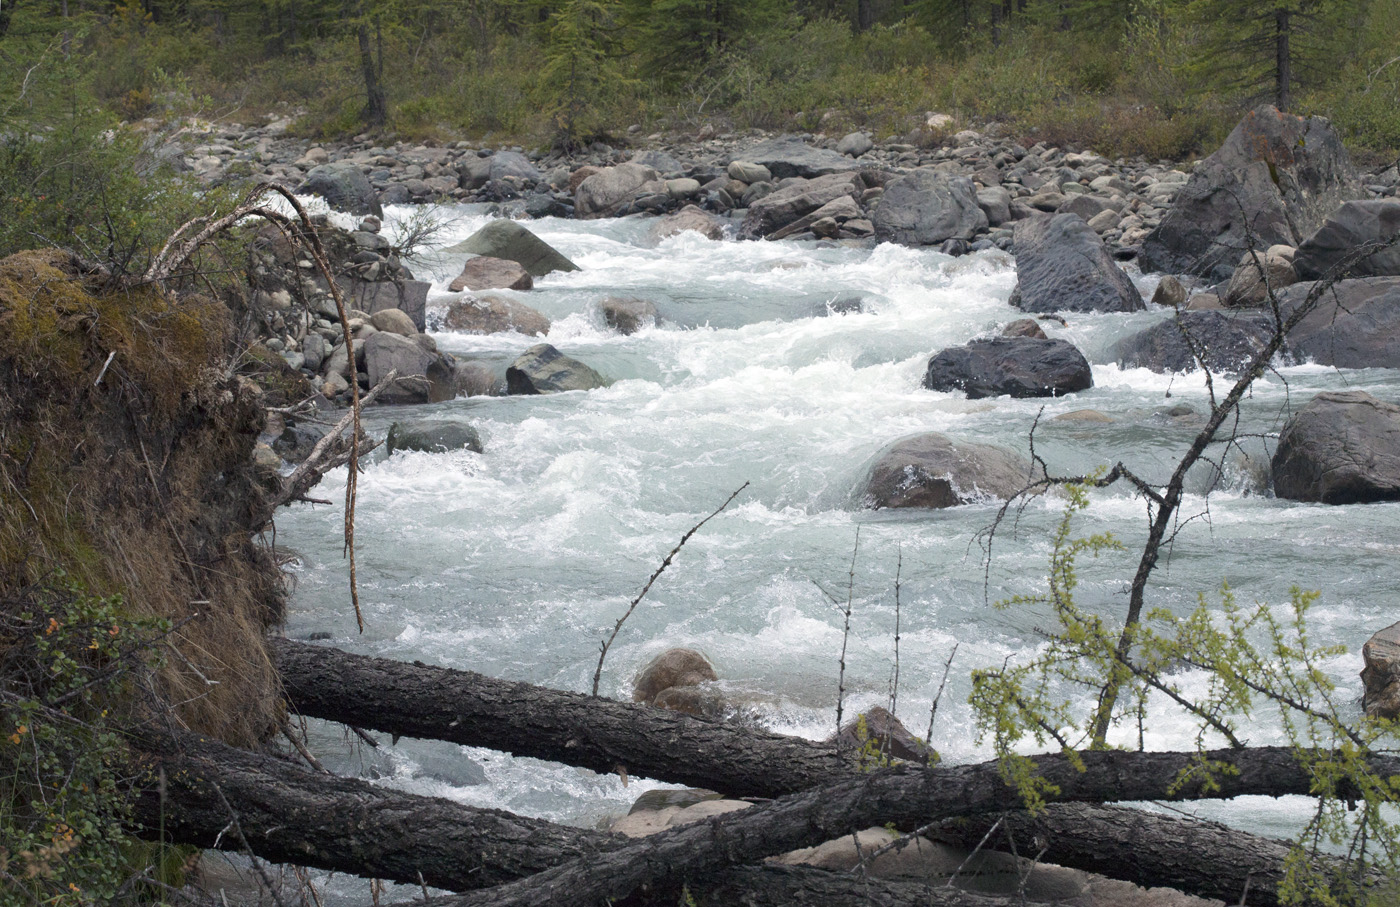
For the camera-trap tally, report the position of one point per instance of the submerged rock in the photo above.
(1017, 366)
(679, 667)
(1228, 342)
(1342, 448)
(490, 314)
(626, 315)
(936, 471)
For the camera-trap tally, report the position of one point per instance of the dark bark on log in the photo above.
(802, 886)
(291, 815)
(900, 795)
(416, 700)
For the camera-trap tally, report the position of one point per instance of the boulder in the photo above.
(1018, 366)
(1248, 289)
(542, 369)
(611, 189)
(1169, 292)
(1353, 224)
(995, 202)
(798, 199)
(1275, 180)
(1343, 447)
(677, 667)
(1380, 678)
(877, 729)
(509, 240)
(1355, 325)
(1024, 327)
(371, 296)
(627, 315)
(787, 156)
(424, 377)
(344, 187)
(475, 172)
(749, 172)
(432, 436)
(1063, 265)
(660, 161)
(490, 314)
(826, 221)
(688, 218)
(933, 470)
(395, 321)
(854, 144)
(486, 273)
(926, 207)
(1227, 341)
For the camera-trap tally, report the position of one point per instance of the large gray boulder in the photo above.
(509, 240)
(487, 273)
(491, 314)
(1380, 678)
(688, 218)
(1249, 285)
(424, 376)
(344, 187)
(1015, 366)
(1350, 226)
(1356, 323)
(1342, 448)
(1274, 181)
(926, 207)
(796, 200)
(1062, 265)
(432, 436)
(1227, 342)
(609, 190)
(475, 172)
(542, 369)
(787, 156)
(935, 471)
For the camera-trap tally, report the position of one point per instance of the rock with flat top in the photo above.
(542, 369)
(490, 314)
(487, 273)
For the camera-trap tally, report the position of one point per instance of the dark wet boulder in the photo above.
(424, 376)
(1350, 226)
(432, 436)
(627, 315)
(509, 240)
(1275, 180)
(344, 187)
(679, 667)
(486, 273)
(1356, 323)
(1024, 327)
(876, 734)
(1227, 342)
(933, 470)
(927, 207)
(787, 156)
(490, 314)
(1342, 448)
(542, 369)
(1015, 366)
(796, 200)
(1063, 266)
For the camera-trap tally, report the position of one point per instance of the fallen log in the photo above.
(900, 795)
(417, 700)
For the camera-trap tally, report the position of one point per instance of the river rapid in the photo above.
(518, 561)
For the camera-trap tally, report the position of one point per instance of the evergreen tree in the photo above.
(580, 70)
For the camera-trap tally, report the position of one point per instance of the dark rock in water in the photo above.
(955, 248)
(1342, 448)
(1063, 265)
(677, 667)
(1355, 325)
(432, 436)
(1276, 178)
(1350, 226)
(627, 315)
(489, 314)
(790, 156)
(424, 377)
(486, 273)
(933, 470)
(343, 187)
(702, 700)
(1169, 292)
(657, 800)
(509, 240)
(781, 207)
(1380, 678)
(1024, 327)
(1228, 342)
(883, 736)
(297, 440)
(927, 207)
(542, 369)
(545, 204)
(1018, 366)
(826, 221)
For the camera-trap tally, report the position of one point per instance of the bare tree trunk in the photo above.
(376, 106)
(416, 700)
(1283, 74)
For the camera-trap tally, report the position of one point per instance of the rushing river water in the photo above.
(516, 562)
